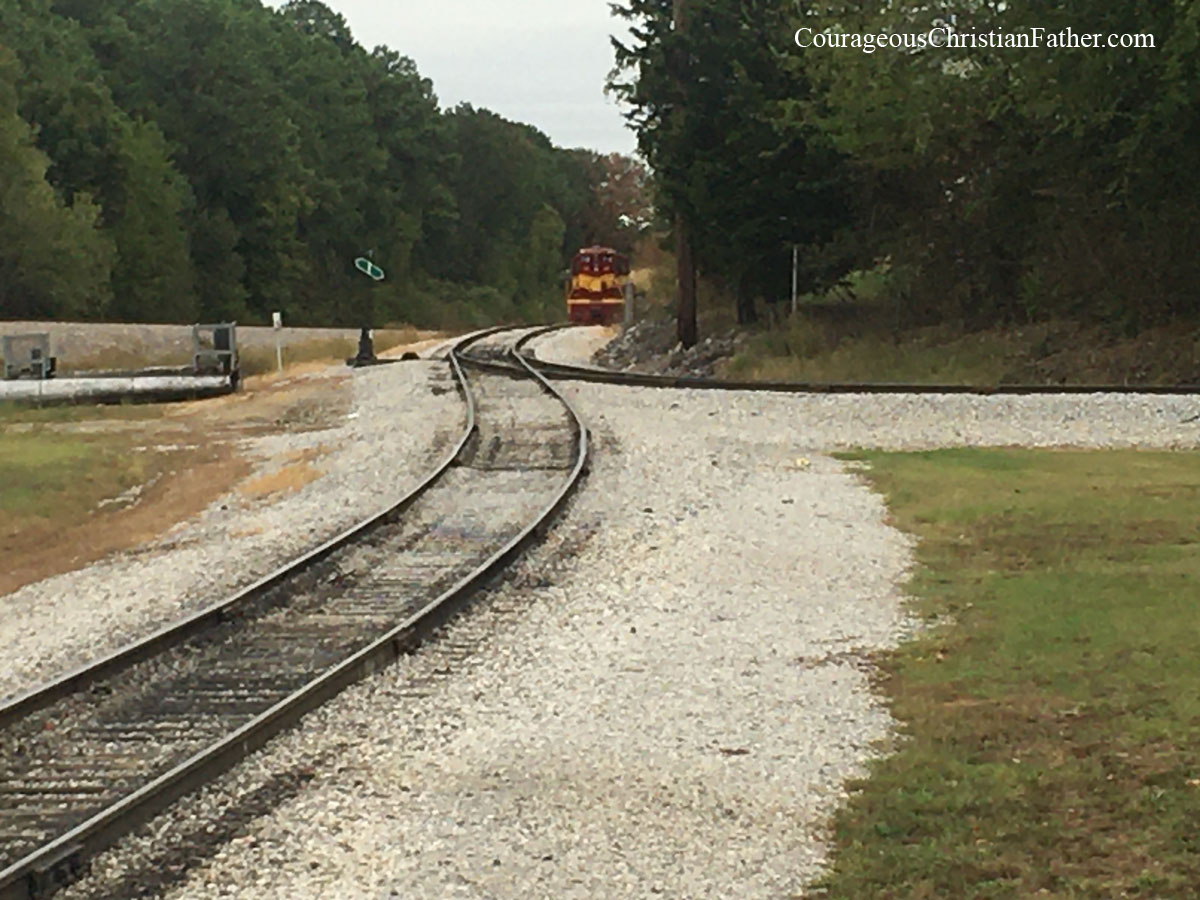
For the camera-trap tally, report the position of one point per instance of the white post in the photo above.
(795, 274)
(277, 323)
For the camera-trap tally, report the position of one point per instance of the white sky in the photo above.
(543, 62)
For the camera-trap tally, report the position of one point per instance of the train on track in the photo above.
(598, 288)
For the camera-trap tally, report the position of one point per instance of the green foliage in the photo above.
(1017, 183)
(53, 258)
(709, 102)
(1003, 185)
(153, 275)
(607, 201)
(223, 160)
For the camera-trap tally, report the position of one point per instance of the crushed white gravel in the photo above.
(667, 697)
(377, 451)
(574, 346)
(924, 421)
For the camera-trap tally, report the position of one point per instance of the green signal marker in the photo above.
(369, 268)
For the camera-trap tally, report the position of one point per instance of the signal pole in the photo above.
(366, 346)
(684, 262)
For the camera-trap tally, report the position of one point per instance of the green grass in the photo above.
(58, 477)
(807, 349)
(857, 342)
(1052, 713)
(22, 413)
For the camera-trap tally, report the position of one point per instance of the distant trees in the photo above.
(749, 183)
(53, 257)
(614, 200)
(178, 159)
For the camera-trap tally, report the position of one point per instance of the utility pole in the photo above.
(684, 262)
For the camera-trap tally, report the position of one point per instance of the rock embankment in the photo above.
(650, 346)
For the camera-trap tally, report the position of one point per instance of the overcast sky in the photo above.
(538, 61)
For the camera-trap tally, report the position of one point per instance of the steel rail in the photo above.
(61, 858)
(569, 372)
(82, 677)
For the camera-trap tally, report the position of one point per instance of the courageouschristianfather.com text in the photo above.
(948, 37)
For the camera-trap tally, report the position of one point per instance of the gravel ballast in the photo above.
(918, 421)
(396, 430)
(666, 698)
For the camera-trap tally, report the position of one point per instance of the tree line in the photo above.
(989, 185)
(175, 160)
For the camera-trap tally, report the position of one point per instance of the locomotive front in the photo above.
(596, 294)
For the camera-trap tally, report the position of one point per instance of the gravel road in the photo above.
(666, 698)
(375, 452)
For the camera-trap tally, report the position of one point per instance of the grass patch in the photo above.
(80, 482)
(51, 477)
(807, 349)
(23, 414)
(128, 358)
(862, 341)
(1053, 726)
(296, 472)
(260, 360)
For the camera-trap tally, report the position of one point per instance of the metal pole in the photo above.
(277, 322)
(795, 274)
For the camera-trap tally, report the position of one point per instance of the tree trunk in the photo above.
(686, 274)
(685, 264)
(747, 313)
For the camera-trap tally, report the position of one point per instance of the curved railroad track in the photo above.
(569, 372)
(97, 752)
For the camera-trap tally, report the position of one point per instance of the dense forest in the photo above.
(987, 185)
(172, 160)
(175, 160)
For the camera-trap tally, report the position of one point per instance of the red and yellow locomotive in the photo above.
(596, 292)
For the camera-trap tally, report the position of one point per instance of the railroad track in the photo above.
(90, 756)
(568, 372)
